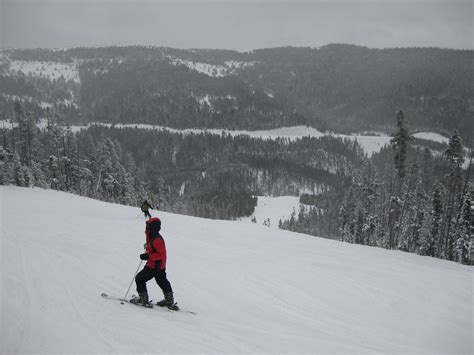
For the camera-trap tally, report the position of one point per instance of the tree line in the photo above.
(207, 175)
(59, 159)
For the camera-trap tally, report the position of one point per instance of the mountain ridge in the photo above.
(344, 88)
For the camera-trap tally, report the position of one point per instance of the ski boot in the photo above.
(142, 299)
(168, 302)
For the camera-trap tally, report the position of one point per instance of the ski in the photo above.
(123, 301)
(173, 308)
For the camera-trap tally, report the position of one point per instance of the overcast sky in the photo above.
(236, 24)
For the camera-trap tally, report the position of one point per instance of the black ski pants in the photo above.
(147, 274)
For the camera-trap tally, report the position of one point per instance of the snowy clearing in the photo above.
(255, 289)
(48, 70)
(212, 70)
(274, 209)
(430, 136)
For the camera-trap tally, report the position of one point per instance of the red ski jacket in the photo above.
(155, 244)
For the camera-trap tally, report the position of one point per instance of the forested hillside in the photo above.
(199, 174)
(343, 88)
(403, 198)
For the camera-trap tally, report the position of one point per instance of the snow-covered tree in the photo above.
(431, 234)
(455, 157)
(399, 143)
(462, 232)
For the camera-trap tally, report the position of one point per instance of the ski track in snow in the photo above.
(255, 289)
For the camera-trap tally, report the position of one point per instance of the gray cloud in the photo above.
(240, 25)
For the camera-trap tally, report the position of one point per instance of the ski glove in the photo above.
(144, 256)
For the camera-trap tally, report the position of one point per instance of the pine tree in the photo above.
(347, 215)
(7, 168)
(417, 214)
(359, 227)
(462, 234)
(455, 157)
(38, 175)
(431, 235)
(19, 172)
(403, 224)
(21, 144)
(399, 144)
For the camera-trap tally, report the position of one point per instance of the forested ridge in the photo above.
(337, 87)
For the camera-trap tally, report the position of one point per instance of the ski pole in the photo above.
(133, 278)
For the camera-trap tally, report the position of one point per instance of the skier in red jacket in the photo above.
(155, 267)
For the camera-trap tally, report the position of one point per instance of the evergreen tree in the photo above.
(359, 226)
(38, 175)
(7, 171)
(347, 215)
(53, 173)
(455, 157)
(408, 197)
(399, 144)
(417, 214)
(462, 233)
(432, 234)
(19, 172)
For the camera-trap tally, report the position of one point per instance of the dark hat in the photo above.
(153, 224)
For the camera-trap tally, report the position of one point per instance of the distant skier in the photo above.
(145, 209)
(155, 266)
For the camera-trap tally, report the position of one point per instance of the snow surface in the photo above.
(256, 289)
(27, 98)
(275, 209)
(435, 137)
(48, 70)
(212, 70)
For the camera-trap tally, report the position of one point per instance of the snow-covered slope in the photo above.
(212, 70)
(270, 210)
(256, 289)
(47, 70)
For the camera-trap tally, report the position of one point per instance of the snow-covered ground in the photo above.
(212, 70)
(274, 209)
(430, 136)
(48, 70)
(255, 289)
